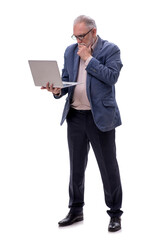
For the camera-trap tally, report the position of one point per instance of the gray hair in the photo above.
(90, 23)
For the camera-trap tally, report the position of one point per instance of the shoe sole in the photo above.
(114, 230)
(75, 221)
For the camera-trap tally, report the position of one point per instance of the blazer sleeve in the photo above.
(107, 66)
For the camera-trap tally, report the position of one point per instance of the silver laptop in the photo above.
(44, 71)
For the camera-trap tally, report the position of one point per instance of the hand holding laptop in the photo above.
(46, 73)
(51, 88)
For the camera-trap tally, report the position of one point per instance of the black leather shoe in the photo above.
(115, 224)
(70, 219)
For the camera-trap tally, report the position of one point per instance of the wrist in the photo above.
(88, 56)
(88, 60)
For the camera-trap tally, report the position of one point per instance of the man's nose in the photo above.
(79, 41)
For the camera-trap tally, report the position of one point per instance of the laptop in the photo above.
(44, 71)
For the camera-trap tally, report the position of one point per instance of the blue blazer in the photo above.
(102, 74)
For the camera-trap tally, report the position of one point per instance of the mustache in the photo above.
(83, 44)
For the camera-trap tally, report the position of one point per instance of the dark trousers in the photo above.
(82, 131)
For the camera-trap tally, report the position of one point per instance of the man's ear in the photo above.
(94, 32)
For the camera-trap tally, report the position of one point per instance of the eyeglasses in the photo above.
(80, 37)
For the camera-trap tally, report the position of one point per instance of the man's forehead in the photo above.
(80, 28)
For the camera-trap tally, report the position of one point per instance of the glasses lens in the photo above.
(80, 37)
(77, 37)
(73, 37)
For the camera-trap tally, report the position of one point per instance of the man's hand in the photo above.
(50, 88)
(84, 52)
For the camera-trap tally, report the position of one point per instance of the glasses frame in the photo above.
(80, 37)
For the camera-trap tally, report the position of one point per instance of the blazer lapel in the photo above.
(98, 47)
(75, 72)
(96, 52)
(76, 65)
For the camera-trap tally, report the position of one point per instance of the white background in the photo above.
(34, 163)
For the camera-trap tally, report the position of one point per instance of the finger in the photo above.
(81, 47)
(47, 86)
(56, 90)
(51, 87)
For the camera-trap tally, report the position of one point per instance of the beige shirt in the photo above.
(80, 100)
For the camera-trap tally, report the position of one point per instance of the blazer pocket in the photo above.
(109, 103)
(109, 112)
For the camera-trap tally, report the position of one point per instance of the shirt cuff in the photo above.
(88, 60)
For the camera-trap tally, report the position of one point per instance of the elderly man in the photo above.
(92, 115)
